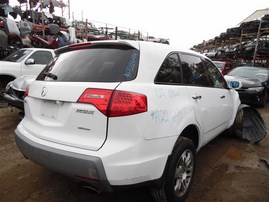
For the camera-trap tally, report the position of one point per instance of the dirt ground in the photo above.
(228, 169)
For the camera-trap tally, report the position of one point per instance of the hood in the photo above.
(3, 63)
(246, 82)
(22, 82)
(6, 64)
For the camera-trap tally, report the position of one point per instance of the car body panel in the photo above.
(132, 148)
(84, 125)
(22, 82)
(246, 82)
(161, 118)
(210, 103)
(15, 90)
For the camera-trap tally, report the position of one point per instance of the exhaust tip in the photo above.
(92, 189)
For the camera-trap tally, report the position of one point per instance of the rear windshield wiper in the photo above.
(50, 75)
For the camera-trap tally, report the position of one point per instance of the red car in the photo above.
(224, 66)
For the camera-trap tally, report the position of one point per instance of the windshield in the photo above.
(102, 64)
(17, 56)
(250, 72)
(219, 64)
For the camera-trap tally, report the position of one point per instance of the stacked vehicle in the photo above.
(241, 44)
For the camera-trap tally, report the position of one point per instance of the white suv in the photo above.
(120, 113)
(26, 61)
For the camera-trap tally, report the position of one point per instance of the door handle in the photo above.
(222, 96)
(196, 97)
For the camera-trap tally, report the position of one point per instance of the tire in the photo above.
(179, 173)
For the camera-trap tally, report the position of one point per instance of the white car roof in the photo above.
(46, 49)
(152, 56)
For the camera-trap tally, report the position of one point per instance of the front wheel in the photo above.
(179, 173)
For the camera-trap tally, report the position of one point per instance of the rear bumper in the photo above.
(84, 168)
(117, 165)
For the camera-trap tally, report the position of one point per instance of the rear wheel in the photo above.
(179, 173)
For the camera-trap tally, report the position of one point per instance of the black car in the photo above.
(255, 84)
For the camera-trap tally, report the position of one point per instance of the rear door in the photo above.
(211, 100)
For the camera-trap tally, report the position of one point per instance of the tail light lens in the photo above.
(127, 103)
(98, 97)
(115, 103)
(26, 91)
(80, 45)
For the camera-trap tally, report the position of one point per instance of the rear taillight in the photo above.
(115, 103)
(127, 103)
(98, 97)
(26, 91)
(80, 45)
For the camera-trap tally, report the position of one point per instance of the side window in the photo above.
(193, 70)
(42, 57)
(170, 71)
(214, 74)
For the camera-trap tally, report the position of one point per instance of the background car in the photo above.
(255, 84)
(26, 61)
(224, 66)
(14, 92)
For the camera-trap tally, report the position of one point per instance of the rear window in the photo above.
(104, 64)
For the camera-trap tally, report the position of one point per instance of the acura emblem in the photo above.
(44, 91)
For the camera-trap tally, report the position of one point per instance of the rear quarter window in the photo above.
(105, 64)
(170, 71)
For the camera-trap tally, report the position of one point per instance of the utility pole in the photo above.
(69, 17)
(42, 20)
(257, 43)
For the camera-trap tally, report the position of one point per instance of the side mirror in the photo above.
(234, 84)
(30, 61)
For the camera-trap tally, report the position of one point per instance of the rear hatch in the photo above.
(68, 103)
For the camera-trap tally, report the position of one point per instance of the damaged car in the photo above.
(255, 84)
(117, 114)
(15, 90)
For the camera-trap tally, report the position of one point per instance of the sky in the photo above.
(184, 23)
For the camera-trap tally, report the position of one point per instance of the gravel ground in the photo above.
(228, 169)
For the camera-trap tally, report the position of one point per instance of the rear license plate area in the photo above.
(49, 109)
